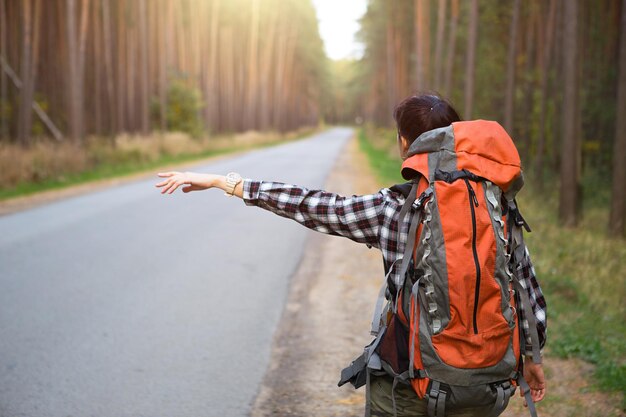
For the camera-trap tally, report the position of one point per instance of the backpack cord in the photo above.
(516, 246)
(530, 319)
(504, 392)
(529, 399)
(376, 319)
(368, 383)
(517, 250)
(393, 396)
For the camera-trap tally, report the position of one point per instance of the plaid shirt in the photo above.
(372, 220)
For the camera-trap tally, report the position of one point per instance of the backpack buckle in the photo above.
(419, 201)
(518, 219)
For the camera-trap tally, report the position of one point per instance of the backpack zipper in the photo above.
(474, 202)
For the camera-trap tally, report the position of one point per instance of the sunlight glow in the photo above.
(338, 23)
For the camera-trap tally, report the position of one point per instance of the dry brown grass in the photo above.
(41, 161)
(46, 160)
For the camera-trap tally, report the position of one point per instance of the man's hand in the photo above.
(533, 374)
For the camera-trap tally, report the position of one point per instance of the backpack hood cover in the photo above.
(480, 146)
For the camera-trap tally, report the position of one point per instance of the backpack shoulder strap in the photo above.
(517, 248)
(409, 191)
(404, 189)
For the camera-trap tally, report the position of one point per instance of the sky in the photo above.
(338, 23)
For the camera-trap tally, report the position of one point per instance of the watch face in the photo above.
(233, 177)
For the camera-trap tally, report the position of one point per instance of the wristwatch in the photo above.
(232, 179)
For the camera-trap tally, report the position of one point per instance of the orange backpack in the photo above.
(450, 326)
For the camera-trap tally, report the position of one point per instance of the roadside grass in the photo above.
(582, 272)
(48, 166)
(377, 143)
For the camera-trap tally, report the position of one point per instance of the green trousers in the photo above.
(408, 404)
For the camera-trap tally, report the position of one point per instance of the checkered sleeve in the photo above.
(357, 217)
(528, 279)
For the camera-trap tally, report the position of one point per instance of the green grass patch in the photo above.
(582, 274)
(581, 271)
(378, 146)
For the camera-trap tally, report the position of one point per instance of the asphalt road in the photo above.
(124, 302)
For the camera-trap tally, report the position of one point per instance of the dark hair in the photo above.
(418, 114)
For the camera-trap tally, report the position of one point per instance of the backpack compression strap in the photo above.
(409, 191)
(526, 391)
(439, 392)
(418, 204)
(357, 370)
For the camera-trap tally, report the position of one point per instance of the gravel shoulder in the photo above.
(323, 327)
(326, 322)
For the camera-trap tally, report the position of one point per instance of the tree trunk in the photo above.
(280, 72)
(618, 198)
(509, 97)
(211, 94)
(391, 67)
(31, 13)
(400, 76)
(108, 65)
(547, 54)
(26, 18)
(568, 208)
(4, 99)
(470, 67)
(422, 43)
(266, 72)
(35, 58)
(556, 87)
(76, 68)
(25, 112)
(130, 70)
(250, 109)
(454, 21)
(164, 29)
(120, 66)
(290, 78)
(97, 64)
(82, 45)
(441, 21)
(527, 110)
(196, 16)
(227, 76)
(145, 75)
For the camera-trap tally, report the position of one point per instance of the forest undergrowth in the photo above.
(581, 271)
